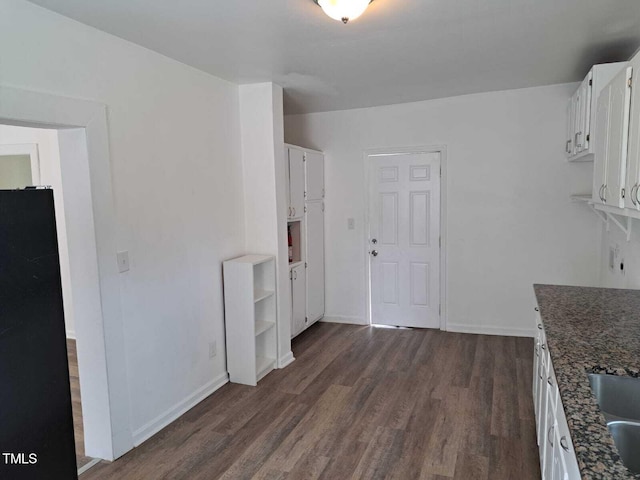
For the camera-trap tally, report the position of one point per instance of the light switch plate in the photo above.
(123, 261)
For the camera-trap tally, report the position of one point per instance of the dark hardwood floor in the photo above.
(76, 406)
(364, 403)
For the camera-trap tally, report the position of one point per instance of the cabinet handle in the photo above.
(294, 211)
(635, 197)
(600, 193)
(604, 193)
(536, 309)
(549, 437)
(289, 212)
(633, 189)
(544, 346)
(539, 326)
(549, 381)
(568, 147)
(564, 444)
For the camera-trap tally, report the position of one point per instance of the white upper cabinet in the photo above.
(618, 138)
(581, 111)
(601, 139)
(314, 176)
(296, 183)
(632, 199)
(611, 142)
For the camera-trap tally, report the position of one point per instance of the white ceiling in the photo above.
(398, 51)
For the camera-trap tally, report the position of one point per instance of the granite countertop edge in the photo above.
(590, 330)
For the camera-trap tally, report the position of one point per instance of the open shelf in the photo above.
(260, 294)
(262, 326)
(264, 365)
(294, 229)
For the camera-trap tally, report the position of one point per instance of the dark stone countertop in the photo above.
(591, 330)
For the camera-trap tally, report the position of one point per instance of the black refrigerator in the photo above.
(36, 423)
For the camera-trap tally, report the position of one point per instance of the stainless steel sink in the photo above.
(619, 401)
(626, 436)
(618, 397)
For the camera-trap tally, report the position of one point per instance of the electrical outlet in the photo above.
(213, 349)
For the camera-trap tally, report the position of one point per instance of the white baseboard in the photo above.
(491, 330)
(164, 419)
(343, 319)
(286, 360)
(71, 334)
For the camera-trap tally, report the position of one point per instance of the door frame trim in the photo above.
(442, 150)
(83, 131)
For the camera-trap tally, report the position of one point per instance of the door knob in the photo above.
(374, 253)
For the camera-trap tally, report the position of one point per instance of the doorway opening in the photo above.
(31, 157)
(405, 237)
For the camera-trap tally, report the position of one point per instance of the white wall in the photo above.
(510, 222)
(50, 174)
(176, 168)
(262, 138)
(625, 253)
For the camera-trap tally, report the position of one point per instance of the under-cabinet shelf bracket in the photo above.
(626, 229)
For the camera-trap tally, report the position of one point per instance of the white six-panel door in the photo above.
(404, 239)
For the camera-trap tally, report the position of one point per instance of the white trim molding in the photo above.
(491, 330)
(154, 426)
(286, 360)
(344, 319)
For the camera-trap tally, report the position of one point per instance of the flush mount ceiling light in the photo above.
(343, 10)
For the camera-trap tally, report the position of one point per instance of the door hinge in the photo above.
(305, 209)
(630, 82)
(622, 192)
(588, 137)
(591, 82)
(305, 265)
(323, 206)
(304, 157)
(290, 274)
(440, 242)
(305, 194)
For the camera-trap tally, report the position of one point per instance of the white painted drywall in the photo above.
(510, 221)
(50, 174)
(624, 253)
(176, 168)
(262, 137)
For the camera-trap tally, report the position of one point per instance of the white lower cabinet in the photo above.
(298, 296)
(557, 458)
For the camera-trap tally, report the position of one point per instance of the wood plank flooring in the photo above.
(76, 405)
(360, 403)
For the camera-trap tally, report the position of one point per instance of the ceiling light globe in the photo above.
(344, 10)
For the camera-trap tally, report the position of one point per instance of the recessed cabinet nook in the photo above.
(305, 233)
(612, 140)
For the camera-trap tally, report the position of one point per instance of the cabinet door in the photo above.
(298, 295)
(296, 183)
(583, 125)
(568, 146)
(601, 144)
(315, 260)
(619, 105)
(632, 200)
(577, 112)
(314, 176)
(549, 440)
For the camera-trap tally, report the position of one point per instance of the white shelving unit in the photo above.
(250, 317)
